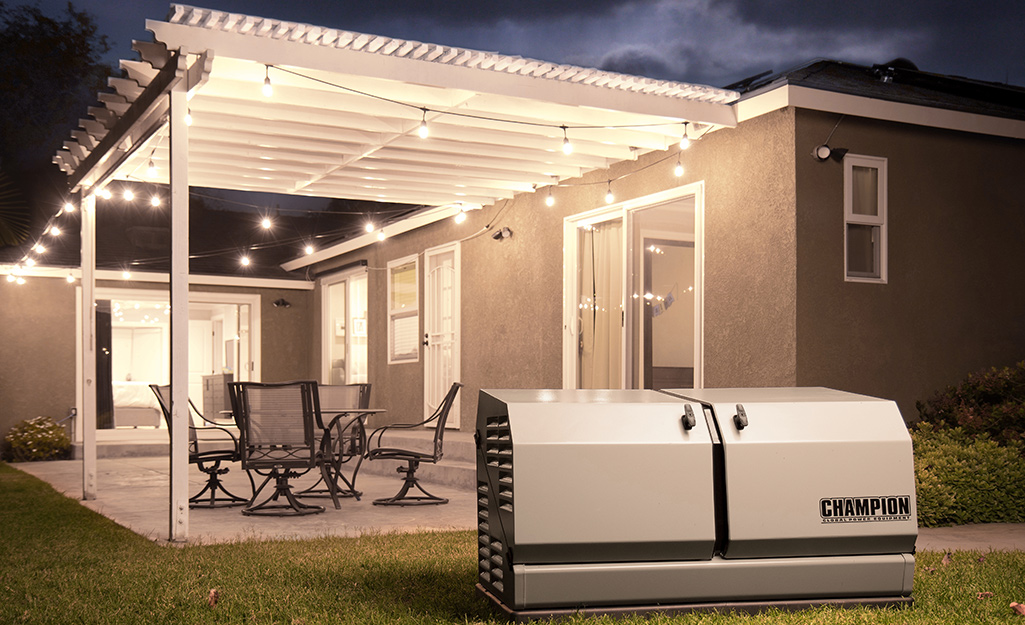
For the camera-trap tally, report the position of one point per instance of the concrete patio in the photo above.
(133, 492)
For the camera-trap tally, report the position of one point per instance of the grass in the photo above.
(62, 563)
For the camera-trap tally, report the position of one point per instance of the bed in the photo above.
(135, 405)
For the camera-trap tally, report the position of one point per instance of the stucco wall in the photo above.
(953, 303)
(37, 361)
(512, 290)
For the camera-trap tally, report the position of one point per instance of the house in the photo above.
(837, 225)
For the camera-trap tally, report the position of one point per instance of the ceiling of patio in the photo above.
(346, 108)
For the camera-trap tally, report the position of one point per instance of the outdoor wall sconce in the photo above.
(282, 303)
(824, 152)
(502, 234)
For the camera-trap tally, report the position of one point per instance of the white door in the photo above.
(441, 328)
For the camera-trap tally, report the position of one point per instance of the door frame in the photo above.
(621, 210)
(456, 249)
(327, 323)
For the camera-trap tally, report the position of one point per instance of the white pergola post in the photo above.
(87, 305)
(180, 419)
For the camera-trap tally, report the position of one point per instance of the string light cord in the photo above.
(426, 109)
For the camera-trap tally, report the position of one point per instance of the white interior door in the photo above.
(441, 328)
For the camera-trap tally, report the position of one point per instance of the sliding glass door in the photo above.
(633, 294)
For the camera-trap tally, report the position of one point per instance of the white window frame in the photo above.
(851, 161)
(327, 328)
(394, 314)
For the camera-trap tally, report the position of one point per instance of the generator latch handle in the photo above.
(689, 420)
(740, 419)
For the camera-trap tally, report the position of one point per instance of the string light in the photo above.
(685, 140)
(380, 235)
(69, 207)
(245, 261)
(550, 200)
(309, 250)
(423, 131)
(609, 198)
(55, 231)
(38, 248)
(460, 217)
(268, 90)
(265, 223)
(127, 275)
(567, 147)
(70, 279)
(151, 169)
(188, 117)
(369, 227)
(30, 262)
(679, 168)
(106, 194)
(155, 201)
(11, 277)
(129, 195)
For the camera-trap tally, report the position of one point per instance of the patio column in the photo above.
(179, 296)
(87, 306)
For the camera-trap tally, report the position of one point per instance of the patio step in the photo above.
(458, 466)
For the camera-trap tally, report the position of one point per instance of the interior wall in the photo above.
(37, 367)
(953, 303)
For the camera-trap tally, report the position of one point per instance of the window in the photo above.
(864, 218)
(403, 310)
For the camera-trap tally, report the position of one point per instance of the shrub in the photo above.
(38, 439)
(960, 479)
(989, 402)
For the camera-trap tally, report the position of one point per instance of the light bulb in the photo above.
(245, 261)
(679, 169)
(567, 147)
(106, 194)
(11, 277)
(151, 169)
(55, 231)
(69, 208)
(129, 195)
(369, 227)
(265, 223)
(460, 217)
(380, 235)
(188, 118)
(423, 131)
(38, 247)
(126, 274)
(30, 262)
(550, 200)
(20, 280)
(155, 200)
(609, 198)
(309, 250)
(268, 90)
(685, 140)
(70, 279)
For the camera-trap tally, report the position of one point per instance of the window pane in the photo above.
(862, 251)
(865, 190)
(405, 333)
(403, 287)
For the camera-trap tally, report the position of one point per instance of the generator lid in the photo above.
(812, 471)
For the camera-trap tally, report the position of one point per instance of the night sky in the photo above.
(711, 42)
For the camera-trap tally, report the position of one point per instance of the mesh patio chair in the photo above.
(342, 436)
(209, 460)
(412, 457)
(278, 425)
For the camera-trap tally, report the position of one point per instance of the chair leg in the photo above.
(403, 498)
(213, 485)
(269, 507)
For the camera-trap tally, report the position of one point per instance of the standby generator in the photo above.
(637, 500)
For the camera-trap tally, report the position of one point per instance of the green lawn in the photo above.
(62, 563)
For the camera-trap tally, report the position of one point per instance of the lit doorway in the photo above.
(344, 327)
(632, 312)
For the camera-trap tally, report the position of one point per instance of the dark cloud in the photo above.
(637, 61)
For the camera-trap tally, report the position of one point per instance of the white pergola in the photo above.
(343, 121)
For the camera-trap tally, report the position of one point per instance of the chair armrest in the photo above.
(234, 439)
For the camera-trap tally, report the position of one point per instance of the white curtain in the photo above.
(601, 306)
